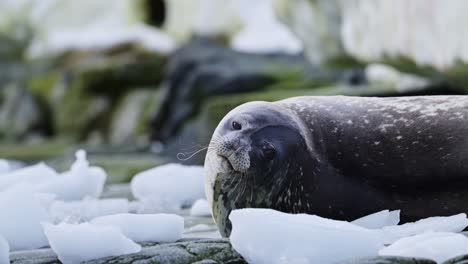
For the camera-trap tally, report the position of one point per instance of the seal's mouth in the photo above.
(226, 163)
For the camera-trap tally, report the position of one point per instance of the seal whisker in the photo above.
(182, 156)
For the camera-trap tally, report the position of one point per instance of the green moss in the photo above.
(35, 152)
(293, 77)
(343, 61)
(43, 85)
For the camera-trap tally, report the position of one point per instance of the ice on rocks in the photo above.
(31, 175)
(455, 223)
(93, 38)
(82, 242)
(438, 246)
(4, 250)
(201, 207)
(286, 238)
(162, 228)
(79, 182)
(22, 213)
(87, 209)
(168, 187)
(379, 219)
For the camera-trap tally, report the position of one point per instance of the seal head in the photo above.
(256, 159)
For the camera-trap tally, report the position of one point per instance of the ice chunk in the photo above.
(155, 228)
(455, 223)
(200, 208)
(4, 250)
(438, 246)
(86, 210)
(379, 219)
(82, 242)
(268, 236)
(4, 166)
(22, 213)
(32, 175)
(79, 182)
(169, 186)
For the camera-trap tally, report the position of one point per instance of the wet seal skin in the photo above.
(341, 157)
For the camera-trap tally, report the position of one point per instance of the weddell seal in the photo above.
(341, 157)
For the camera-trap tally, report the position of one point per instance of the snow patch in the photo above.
(262, 32)
(102, 38)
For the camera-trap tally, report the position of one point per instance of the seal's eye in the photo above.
(236, 125)
(269, 152)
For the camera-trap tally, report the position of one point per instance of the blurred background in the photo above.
(139, 83)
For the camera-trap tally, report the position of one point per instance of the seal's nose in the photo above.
(235, 152)
(228, 147)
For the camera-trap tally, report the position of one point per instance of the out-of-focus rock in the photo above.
(130, 121)
(20, 113)
(202, 69)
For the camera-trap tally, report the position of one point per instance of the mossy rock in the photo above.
(117, 75)
(455, 76)
(132, 115)
(77, 113)
(21, 114)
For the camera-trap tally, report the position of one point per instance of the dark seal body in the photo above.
(342, 157)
